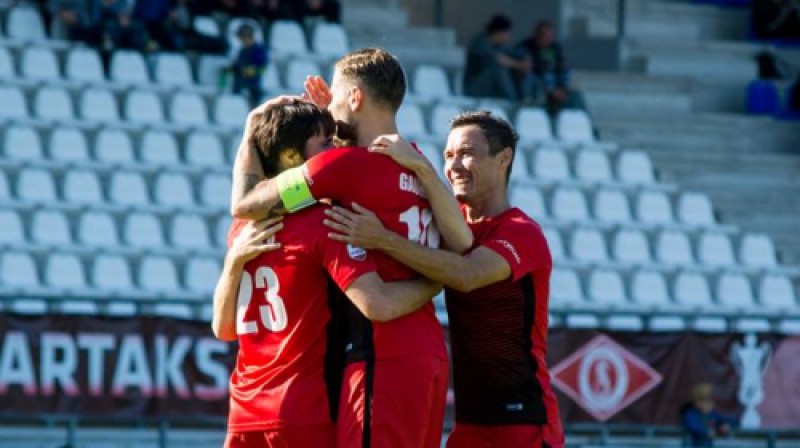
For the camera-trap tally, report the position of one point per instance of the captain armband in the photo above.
(293, 189)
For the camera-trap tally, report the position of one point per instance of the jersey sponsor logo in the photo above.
(515, 407)
(511, 249)
(356, 253)
(410, 184)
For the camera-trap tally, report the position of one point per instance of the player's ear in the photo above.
(289, 158)
(506, 157)
(356, 98)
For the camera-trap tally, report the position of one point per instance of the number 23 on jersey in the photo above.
(272, 314)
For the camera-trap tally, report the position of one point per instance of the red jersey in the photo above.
(375, 181)
(498, 334)
(281, 319)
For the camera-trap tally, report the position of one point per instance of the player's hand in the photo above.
(359, 227)
(400, 151)
(317, 91)
(255, 239)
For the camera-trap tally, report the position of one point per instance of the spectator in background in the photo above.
(311, 12)
(493, 68)
(72, 20)
(248, 66)
(171, 26)
(699, 419)
(113, 20)
(776, 19)
(550, 77)
(273, 10)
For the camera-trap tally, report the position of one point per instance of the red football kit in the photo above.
(502, 387)
(278, 392)
(382, 404)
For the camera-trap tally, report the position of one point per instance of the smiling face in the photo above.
(471, 169)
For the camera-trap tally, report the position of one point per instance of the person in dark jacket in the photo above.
(249, 65)
(699, 419)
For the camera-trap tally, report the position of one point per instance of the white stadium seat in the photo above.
(695, 209)
(433, 154)
(40, 64)
(533, 125)
(330, 40)
(18, 269)
(715, 249)
(159, 148)
(173, 190)
(734, 291)
(12, 226)
(630, 246)
(142, 107)
(22, 143)
(158, 274)
(204, 149)
(128, 188)
(296, 73)
(776, 292)
(221, 227)
(529, 200)
(53, 103)
(588, 246)
(411, 122)
(5, 188)
(635, 167)
(128, 67)
(201, 274)
(97, 229)
(674, 248)
(231, 111)
(653, 207)
(441, 116)
(84, 65)
(189, 232)
(143, 231)
(519, 168)
(172, 69)
(99, 105)
(215, 191)
(25, 23)
(573, 125)
(756, 250)
(68, 145)
(569, 204)
(206, 25)
(593, 166)
(551, 164)
(36, 185)
(188, 109)
(50, 227)
(430, 83)
(287, 38)
(606, 287)
(64, 271)
(271, 79)
(611, 206)
(565, 287)
(113, 146)
(497, 110)
(555, 243)
(692, 290)
(12, 103)
(82, 187)
(650, 288)
(112, 273)
(209, 67)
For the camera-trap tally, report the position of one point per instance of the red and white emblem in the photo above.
(604, 378)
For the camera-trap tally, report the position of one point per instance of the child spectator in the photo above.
(248, 66)
(699, 419)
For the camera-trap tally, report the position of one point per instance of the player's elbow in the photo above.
(239, 210)
(462, 243)
(377, 311)
(465, 282)
(223, 332)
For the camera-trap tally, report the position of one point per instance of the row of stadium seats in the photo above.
(138, 107)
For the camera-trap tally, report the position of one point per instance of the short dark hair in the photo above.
(245, 31)
(378, 72)
(285, 127)
(497, 131)
(498, 23)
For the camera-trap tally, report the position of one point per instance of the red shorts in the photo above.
(503, 436)
(408, 396)
(316, 436)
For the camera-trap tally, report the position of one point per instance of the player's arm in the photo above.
(249, 243)
(381, 302)
(481, 267)
(446, 210)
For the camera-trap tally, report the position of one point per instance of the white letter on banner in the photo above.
(58, 371)
(168, 366)
(95, 345)
(203, 356)
(15, 363)
(132, 368)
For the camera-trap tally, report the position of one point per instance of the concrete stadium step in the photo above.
(450, 58)
(653, 18)
(420, 37)
(368, 15)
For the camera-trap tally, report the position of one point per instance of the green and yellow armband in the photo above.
(293, 190)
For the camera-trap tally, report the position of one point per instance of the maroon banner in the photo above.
(112, 367)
